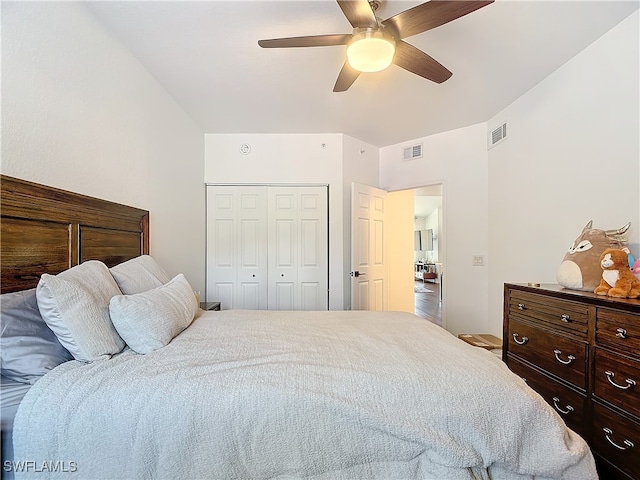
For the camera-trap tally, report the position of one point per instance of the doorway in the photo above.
(429, 252)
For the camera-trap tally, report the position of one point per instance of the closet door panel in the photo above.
(313, 249)
(221, 262)
(224, 237)
(311, 294)
(282, 264)
(251, 248)
(252, 268)
(236, 246)
(284, 244)
(267, 247)
(250, 243)
(309, 244)
(249, 293)
(284, 294)
(223, 293)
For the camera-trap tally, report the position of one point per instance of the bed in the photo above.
(49, 230)
(246, 394)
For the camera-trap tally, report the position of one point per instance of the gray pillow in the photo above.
(75, 305)
(139, 275)
(28, 348)
(150, 320)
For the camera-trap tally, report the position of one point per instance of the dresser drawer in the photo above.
(619, 330)
(565, 315)
(617, 380)
(617, 439)
(603, 335)
(561, 356)
(569, 404)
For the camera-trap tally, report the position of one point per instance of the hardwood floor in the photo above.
(427, 303)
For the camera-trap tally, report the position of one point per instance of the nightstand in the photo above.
(210, 306)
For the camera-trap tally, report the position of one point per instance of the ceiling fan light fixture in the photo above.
(370, 51)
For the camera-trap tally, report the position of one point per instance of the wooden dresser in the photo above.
(581, 352)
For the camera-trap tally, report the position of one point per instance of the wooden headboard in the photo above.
(48, 230)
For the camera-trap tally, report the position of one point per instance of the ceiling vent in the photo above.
(497, 135)
(412, 152)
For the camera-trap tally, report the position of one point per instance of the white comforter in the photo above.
(323, 395)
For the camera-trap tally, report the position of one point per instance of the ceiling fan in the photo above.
(374, 44)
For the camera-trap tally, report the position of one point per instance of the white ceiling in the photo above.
(206, 55)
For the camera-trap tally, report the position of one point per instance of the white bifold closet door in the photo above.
(236, 246)
(267, 247)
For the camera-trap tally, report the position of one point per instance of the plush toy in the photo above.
(617, 279)
(630, 257)
(580, 267)
(636, 269)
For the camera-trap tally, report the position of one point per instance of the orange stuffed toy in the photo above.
(617, 279)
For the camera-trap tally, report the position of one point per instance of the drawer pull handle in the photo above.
(610, 375)
(568, 361)
(565, 318)
(621, 333)
(628, 443)
(566, 411)
(521, 306)
(520, 342)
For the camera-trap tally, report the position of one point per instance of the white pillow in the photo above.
(150, 320)
(75, 305)
(139, 275)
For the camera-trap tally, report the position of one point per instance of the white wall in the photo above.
(420, 223)
(80, 113)
(399, 224)
(458, 160)
(572, 155)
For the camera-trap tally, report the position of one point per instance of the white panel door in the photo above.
(237, 246)
(368, 270)
(298, 248)
(267, 247)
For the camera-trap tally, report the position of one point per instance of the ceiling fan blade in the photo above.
(416, 61)
(346, 78)
(310, 41)
(431, 15)
(359, 13)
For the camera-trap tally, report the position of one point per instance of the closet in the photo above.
(267, 247)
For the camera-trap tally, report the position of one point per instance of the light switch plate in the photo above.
(478, 261)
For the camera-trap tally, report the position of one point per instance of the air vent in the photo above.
(497, 135)
(412, 152)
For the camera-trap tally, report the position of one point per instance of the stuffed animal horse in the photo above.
(580, 268)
